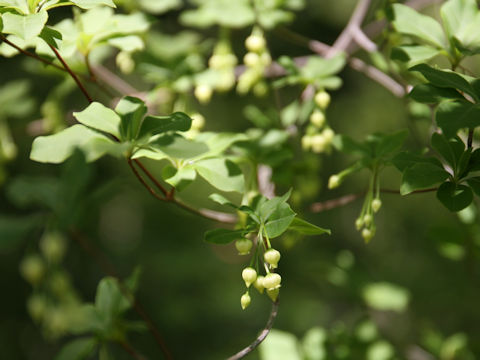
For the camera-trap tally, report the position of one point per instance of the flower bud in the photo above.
(36, 306)
(265, 59)
(322, 99)
(306, 142)
(258, 284)
(216, 62)
(251, 59)
(243, 246)
(260, 89)
(328, 135)
(367, 234)
(359, 223)
(273, 293)
(125, 62)
(32, 269)
(52, 246)
(367, 220)
(318, 143)
(249, 275)
(317, 118)
(203, 93)
(376, 204)
(272, 281)
(272, 257)
(334, 181)
(198, 121)
(245, 300)
(255, 43)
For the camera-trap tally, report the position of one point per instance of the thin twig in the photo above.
(347, 199)
(129, 349)
(263, 334)
(346, 36)
(152, 178)
(72, 74)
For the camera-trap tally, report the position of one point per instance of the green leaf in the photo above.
(279, 221)
(458, 15)
(314, 344)
(410, 22)
(318, 67)
(88, 4)
(153, 125)
(58, 147)
(452, 116)
(98, 116)
(269, 206)
(450, 150)
(219, 142)
(305, 228)
(178, 147)
(475, 184)
(221, 173)
(453, 196)
(19, 5)
(445, 79)
(421, 176)
(78, 349)
(128, 43)
(220, 199)
(51, 36)
(224, 236)
(25, 27)
(390, 143)
(414, 54)
(280, 345)
(386, 296)
(182, 178)
(430, 94)
(109, 299)
(159, 7)
(348, 145)
(131, 111)
(404, 160)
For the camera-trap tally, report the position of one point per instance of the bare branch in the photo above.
(263, 334)
(379, 76)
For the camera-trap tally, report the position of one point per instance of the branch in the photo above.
(347, 199)
(72, 74)
(129, 349)
(263, 334)
(345, 37)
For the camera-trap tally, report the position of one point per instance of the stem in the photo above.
(152, 178)
(72, 74)
(129, 349)
(263, 334)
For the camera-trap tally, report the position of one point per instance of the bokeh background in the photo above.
(412, 293)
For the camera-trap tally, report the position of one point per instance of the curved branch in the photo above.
(263, 334)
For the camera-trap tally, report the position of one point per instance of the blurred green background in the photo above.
(412, 293)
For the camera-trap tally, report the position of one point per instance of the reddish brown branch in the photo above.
(263, 334)
(72, 74)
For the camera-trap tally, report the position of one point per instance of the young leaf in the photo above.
(452, 116)
(99, 117)
(182, 178)
(25, 27)
(279, 221)
(304, 227)
(348, 145)
(131, 111)
(78, 349)
(109, 299)
(152, 125)
(88, 4)
(58, 147)
(404, 160)
(413, 54)
(454, 197)
(410, 22)
(421, 176)
(223, 236)
(178, 147)
(389, 143)
(457, 15)
(222, 200)
(269, 206)
(445, 79)
(221, 173)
